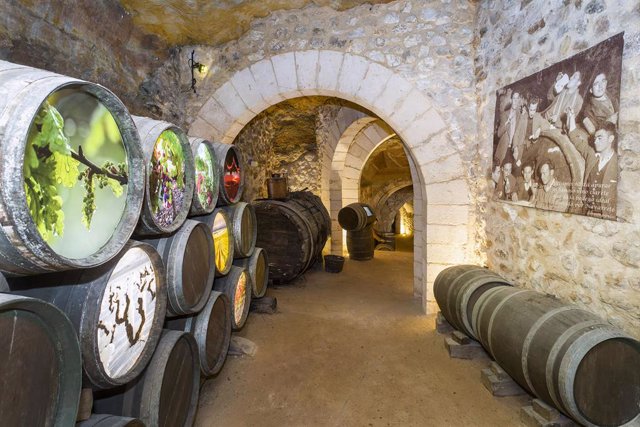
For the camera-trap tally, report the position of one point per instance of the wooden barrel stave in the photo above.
(190, 267)
(257, 265)
(232, 166)
(95, 300)
(243, 223)
(205, 198)
(39, 337)
(237, 288)
(23, 250)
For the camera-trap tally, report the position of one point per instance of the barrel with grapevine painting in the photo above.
(232, 170)
(170, 177)
(71, 172)
(207, 177)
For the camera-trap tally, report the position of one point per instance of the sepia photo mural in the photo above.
(555, 135)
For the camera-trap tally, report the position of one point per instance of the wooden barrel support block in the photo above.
(237, 287)
(243, 222)
(232, 168)
(207, 177)
(117, 310)
(41, 364)
(72, 173)
(257, 266)
(223, 242)
(190, 267)
(170, 175)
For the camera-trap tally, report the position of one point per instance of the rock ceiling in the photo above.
(213, 22)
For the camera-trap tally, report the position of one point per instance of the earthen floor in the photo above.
(351, 349)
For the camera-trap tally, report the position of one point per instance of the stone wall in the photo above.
(90, 40)
(590, 262)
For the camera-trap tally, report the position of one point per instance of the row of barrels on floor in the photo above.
(566, 356)
(81, 175)
(109, 320)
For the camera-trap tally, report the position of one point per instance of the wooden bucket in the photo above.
(207, 177)
(166, 394)
(222, 232)
(190, 267)
(170, 177)
(212, 331)
(237, 288)
(117, 310)
(243, 223)
(232, 169)
(72, 172)
(257, 266)
(40, 364)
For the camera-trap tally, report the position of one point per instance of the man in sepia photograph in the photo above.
(551, 194)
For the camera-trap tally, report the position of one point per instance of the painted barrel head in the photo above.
(231, 173)
(75, 173)
(205, 180)
(221, 241)
(167, 178)
(127, 312)
(240, 298)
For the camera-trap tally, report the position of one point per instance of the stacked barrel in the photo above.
(564, 355)
(84, 306)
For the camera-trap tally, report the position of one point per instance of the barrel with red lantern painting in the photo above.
(231, 167)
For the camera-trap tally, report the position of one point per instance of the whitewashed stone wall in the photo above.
(590, 262)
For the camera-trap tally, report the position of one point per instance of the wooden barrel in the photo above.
(458, 288)
(236, 286)
(360, 244)
(72, 172)
(212, 331)
(190, 267)
(356, 216)
(117, 310)
(166, 394)
(170, 175)
(293, 231)
(568, 357)
(207, 177)
(243, 224)
(222, 232)
(257, 266)
(105, 420)
(40, 364)
(232, 169)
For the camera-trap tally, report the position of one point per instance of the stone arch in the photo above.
(396, 101)
(392, 203)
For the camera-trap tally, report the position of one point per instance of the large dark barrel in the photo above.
(170, 177)
(457, 290)
(232, 169)
(236, 286)
(356, 216)
(222, 232)
(117, 310)
(72, 172)
(207, 177)
(40, 364)
(166, 394)
(568, 357)
(105, 420)
(257, 266)
(293, 231)
(243, 224)
(188, 259)
(360, 244)
(212, 331)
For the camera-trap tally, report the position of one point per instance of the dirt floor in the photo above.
(351, 349)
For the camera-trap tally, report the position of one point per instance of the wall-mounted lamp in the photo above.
(194, 65)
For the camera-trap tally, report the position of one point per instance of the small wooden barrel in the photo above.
(40, 364)
(117, 310)
(207, 177)
(212, 331)
(458, 288)
(236, 286)
(360, 244)
(166, 394)
(568, 357)
(257, 266)
(231, 165)
(72, 172)
(222, 232)
(188, 259)
(105, 420)
(243, 222)
(293, 231)
(170, 177)
(356, 216)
